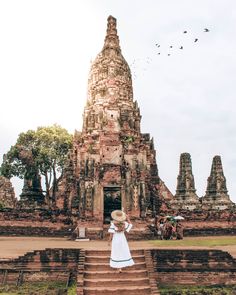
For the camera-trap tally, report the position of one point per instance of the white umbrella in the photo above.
(178, 217)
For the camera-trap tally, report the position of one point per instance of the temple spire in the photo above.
(216, 196)
(112, 39)
(185, 197)
(216, 183)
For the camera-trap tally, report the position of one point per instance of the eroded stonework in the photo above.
(185, 197)
(216, 196)
(111, 159)
(7, 194)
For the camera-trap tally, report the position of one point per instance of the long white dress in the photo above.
(120, 253)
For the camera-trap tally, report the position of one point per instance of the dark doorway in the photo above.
(112, 201)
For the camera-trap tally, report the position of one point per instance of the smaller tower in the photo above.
(216, 196)
(185, 197)
(32, 193)
(7, 194)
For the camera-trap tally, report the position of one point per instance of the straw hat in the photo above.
(118, 215)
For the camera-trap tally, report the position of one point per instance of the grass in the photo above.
(197, 290)
(198, 242)
(35, 288)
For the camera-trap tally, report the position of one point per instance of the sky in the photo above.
(186, 99)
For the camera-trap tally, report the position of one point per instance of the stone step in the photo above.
(108, 252)
(116, 282)
(140, 290)
(137, 273)
(106, 259)
(106, 266)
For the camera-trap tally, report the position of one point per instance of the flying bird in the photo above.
(171, 46)
(168, 54)
(181, 47)
(196, 40)
(159, 53)
(185, 32)
(158, 45)
(206, 30)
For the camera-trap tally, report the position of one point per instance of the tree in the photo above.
(43, 151)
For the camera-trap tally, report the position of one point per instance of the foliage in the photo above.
(129, 139)
(197, 290)
(33, 288)
(43, 151)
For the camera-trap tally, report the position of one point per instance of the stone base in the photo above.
(82, 240)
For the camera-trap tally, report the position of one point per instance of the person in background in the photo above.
(179, 230)
(168, 229)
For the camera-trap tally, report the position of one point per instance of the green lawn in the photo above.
(200, 242)
(198, 290)
(35, 288)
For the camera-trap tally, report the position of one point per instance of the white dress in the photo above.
(120, 253)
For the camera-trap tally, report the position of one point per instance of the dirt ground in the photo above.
(13, 247)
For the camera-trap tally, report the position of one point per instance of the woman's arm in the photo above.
(109, 239)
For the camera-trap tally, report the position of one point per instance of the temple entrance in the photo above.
(112, 201)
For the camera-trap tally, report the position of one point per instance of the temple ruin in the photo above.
(185, 197)
(112, 165)
(7, 194)
(216, 196)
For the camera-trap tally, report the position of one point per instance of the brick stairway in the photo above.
(96, 277)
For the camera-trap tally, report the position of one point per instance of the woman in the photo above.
(120, 253)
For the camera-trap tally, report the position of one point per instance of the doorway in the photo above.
(112, 201)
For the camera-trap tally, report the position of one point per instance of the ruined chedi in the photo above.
(216, 196)
(185, 197)
(7, 194)
(112, 165)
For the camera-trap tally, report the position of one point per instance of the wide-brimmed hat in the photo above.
(118, 215)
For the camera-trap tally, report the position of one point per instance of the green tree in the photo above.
(43, 151)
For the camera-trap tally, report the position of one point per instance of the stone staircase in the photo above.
(96, 277)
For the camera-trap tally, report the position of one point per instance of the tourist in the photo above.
(168, 229)
(120, 253)
(159, 225)
(76, 231)
(161, 228)
(179, 230)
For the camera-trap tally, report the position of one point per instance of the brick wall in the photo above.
(194, 267)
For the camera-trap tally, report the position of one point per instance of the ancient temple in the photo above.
(112, 165)
(216, 196)
(32, 194)
(185, 197)
(7, 194)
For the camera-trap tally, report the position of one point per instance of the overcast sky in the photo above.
(187, 99)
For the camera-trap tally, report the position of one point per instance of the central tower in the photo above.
(113, 164)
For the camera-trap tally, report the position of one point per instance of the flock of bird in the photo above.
(143, 63)
(206, 30)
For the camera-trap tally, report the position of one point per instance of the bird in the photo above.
(185, 32)
(159, 53)
(158, 45)
(171, 46)
(168, 54)
(206, 30)
(196, 40)
(181, 47)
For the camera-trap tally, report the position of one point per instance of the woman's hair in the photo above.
(120, 225)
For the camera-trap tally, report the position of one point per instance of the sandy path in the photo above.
(12, 247)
